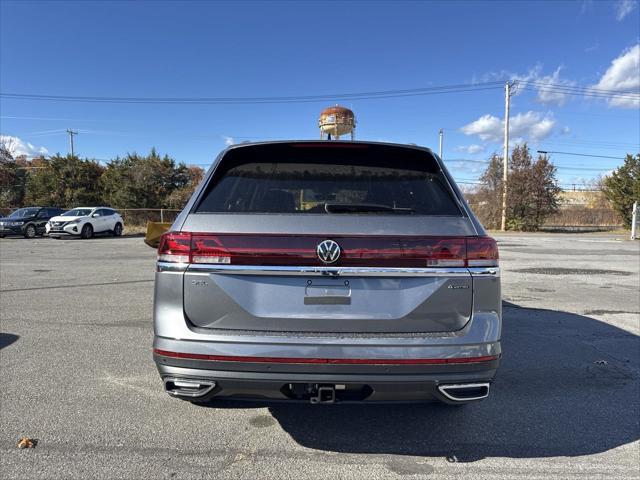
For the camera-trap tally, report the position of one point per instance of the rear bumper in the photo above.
(298, 382)
(349, 388)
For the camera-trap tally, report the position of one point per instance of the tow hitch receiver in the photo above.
(324, 394)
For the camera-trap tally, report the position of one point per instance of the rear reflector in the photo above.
(333, 361)
(301, 250)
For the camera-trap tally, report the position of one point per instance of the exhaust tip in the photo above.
(187, 387)
(465, 392)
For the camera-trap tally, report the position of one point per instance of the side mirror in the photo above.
(95, 215)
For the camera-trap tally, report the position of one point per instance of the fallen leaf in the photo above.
(27, 442)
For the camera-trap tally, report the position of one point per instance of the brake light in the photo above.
(209, 249)
(482, 252)
(300, 250)
(435, 252)
(175, 247)
(329, 144)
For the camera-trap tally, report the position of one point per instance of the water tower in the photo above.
(336, 121)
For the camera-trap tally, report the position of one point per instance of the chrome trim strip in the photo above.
(443, 390)
(484, 271)
(171, 267)
(330, 271)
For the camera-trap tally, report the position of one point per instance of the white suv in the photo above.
(85, 221)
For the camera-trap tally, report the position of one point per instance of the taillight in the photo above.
(175, 247)
(435, 252)
(482, 252)
(300, 250)
(209, 249)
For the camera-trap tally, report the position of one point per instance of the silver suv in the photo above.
(327, 272)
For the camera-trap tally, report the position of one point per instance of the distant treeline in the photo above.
(134, 181)
(155, 181)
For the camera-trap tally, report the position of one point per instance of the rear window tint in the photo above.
(308, 179)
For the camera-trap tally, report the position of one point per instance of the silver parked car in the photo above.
(327, 272)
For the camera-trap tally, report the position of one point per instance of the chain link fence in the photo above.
(570, 217)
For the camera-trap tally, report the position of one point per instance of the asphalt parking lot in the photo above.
(77, 374)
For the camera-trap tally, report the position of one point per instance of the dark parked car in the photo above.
(28, 222)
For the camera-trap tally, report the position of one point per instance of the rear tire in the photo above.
(87, 232)
(117, 230)
(30, 231)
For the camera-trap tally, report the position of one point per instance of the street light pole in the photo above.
(505, 157)
(441, 135)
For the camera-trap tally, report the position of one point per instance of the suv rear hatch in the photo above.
(254, 232)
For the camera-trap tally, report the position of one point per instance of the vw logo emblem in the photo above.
(328, 251)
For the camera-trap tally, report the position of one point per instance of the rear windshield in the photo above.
(316, 179)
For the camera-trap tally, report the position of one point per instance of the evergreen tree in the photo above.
(622, 187)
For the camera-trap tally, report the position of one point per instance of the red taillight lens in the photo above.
(356, 251)
(209, 249)
(175, 247)
(482, 252)
(435, 252)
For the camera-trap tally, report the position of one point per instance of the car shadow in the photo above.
(567, 386)
(7, 339)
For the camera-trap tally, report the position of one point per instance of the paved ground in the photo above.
(77, 374)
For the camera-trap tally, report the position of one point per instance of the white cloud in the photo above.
(623, 76)
(523, 126)
(623, 8)
(228, 141)
(18, 147)
(532, 125)
(471, 149)
(539, 81)
(487, 127)
(546, 92)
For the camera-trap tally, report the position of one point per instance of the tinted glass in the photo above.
(24, 212)
(340, 179)
(77, 212)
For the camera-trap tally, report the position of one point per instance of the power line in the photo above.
(559, 86)
(582, 91)
(559, 167)
(454, 88)
(545, 152)
(267, 99)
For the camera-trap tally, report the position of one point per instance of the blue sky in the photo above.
(242, 49)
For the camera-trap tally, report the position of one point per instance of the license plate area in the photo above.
(318, 294)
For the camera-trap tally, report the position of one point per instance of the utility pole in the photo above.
(441, 135)
(505, 158)
(71, 134)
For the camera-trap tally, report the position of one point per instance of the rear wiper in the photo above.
(364, 208)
